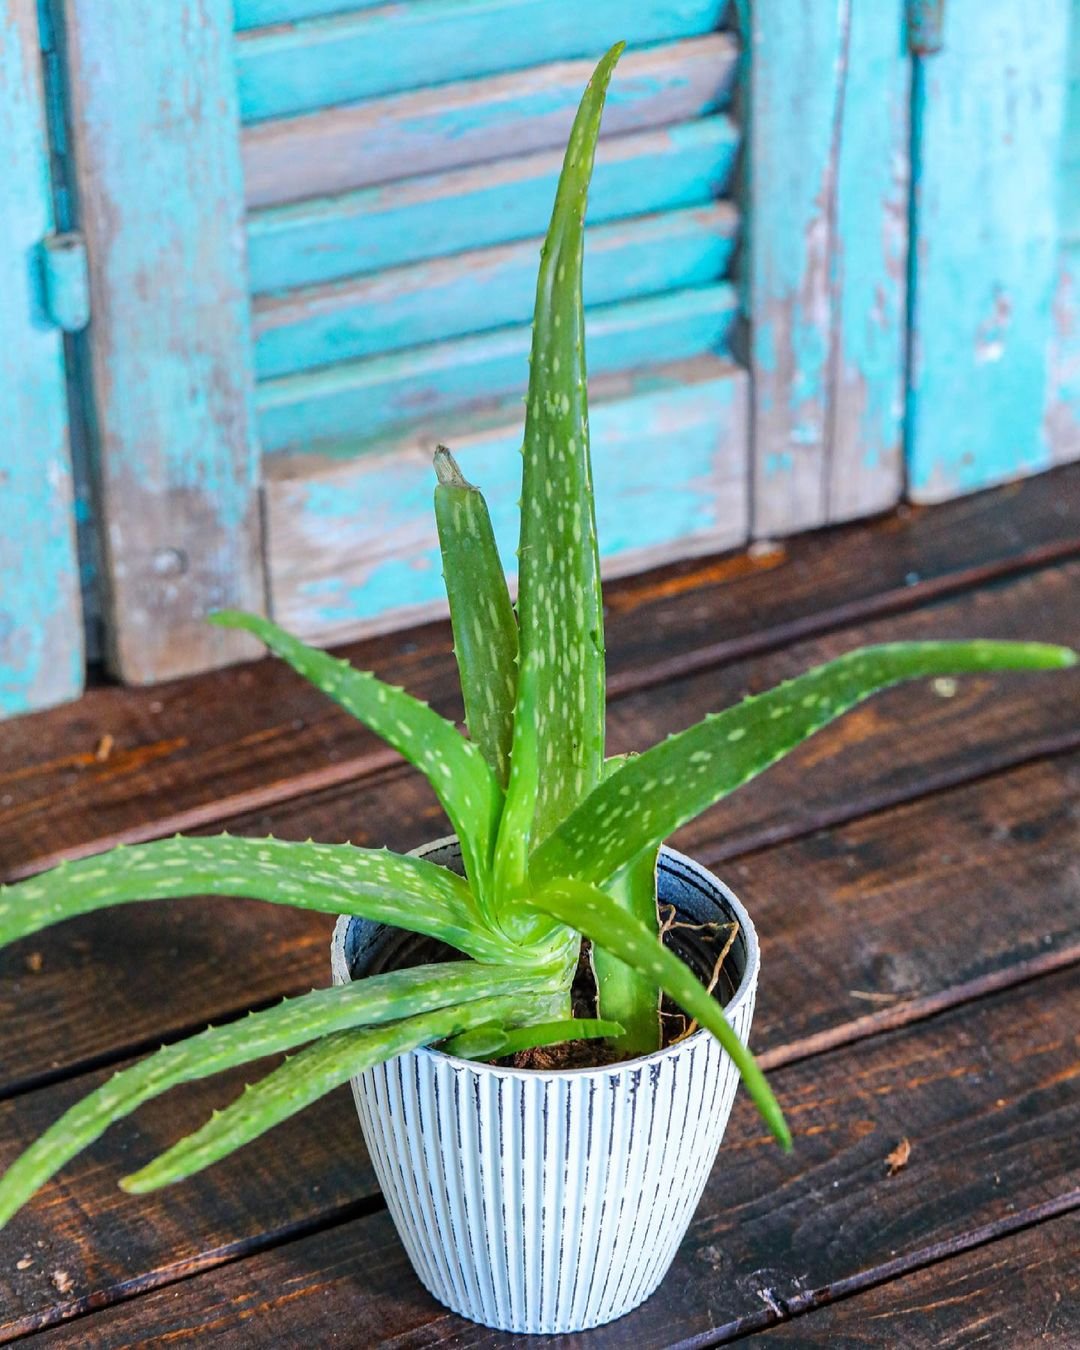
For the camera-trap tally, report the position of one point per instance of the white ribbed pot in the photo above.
(536, 1201)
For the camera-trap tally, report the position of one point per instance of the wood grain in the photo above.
(310, 242)
(41, 642)
(159, 190)
(372, 52)
(343, 408)
(352, 546)
(824, 276)
(866, 762)
(271, 738)
(1022, 1290)
(990, 110)
(985, 1094)
(483, 289)
(470, 122)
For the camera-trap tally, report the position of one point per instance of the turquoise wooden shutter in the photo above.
(41, 646)
(399, 168)
(995, 375)
(825, 280)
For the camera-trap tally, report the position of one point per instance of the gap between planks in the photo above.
(935, 1254)
(783, 1307)
(384, 761)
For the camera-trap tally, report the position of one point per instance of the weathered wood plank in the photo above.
(370, 53)
(352, 546)
(175, 765)
(1061, 415)
(825, 275)
(1023, 1289)
(471, 121)
(155, 148)
(341, 407)
(483, 289)
(866, 763)
(41, 643)
(260, 13)
(990, 112)
(864, 436)
(992, 1080)
(307, 243)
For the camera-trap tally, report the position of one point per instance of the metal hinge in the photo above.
(66, 280)
(925, 26)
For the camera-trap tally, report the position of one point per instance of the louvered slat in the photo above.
(476, 121)
(352, 547)
(261, 13)
(364, 399)
(483, 290)
(383, 227)
(370, 53)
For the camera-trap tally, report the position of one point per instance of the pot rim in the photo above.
(745, 990)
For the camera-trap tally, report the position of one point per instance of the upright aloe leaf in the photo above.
(407, 892)
(559, 606)
(625, 994)
(312, 1073)
(485, 630)
(667, 786)
(598, 918)
(462, 780)
(370, 1002)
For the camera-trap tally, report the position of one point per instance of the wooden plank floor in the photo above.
(912, 871)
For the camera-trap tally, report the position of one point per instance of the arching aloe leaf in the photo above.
(498, 1041)
(596, 917)
(311, 1074)
(332, 878)
(668, 785)
(513, 844)
(559, 604)
(462, 780)
(380, 999)
(485, 630)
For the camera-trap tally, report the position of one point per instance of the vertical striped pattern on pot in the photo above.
(550, 1201)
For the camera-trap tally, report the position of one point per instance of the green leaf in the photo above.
(496, 1041)
(594, 915)
(456, 769)
(485, 630)
(332, 878)
(628, 996)
(515, 828)
(311, 1074)
(559, 604)
(668, 785)
(374, 1001)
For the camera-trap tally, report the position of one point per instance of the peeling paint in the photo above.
(41, 650)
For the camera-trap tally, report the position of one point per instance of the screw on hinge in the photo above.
(67, 280)
(925, 26)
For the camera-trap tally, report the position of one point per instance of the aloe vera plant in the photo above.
(558, 844)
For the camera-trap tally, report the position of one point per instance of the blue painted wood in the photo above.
(824, 284)
(483, 290)
(362, 400)
(473, 121)
(990, 111)
(295, 68)
(864, 430)
(260, 13)
(66, 281)
(376, 228)
(155, 139)
(352, 546)
(794, 64)
(41, 649)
